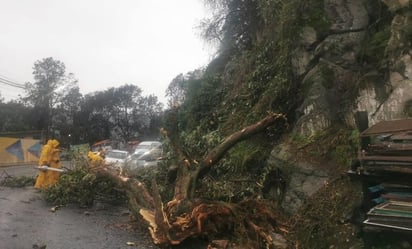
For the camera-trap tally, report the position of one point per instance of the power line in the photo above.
(7, 78)
(8, 81)
(11, 83)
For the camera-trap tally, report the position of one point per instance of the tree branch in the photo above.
(216, 154)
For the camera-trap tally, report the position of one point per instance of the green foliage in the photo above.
(266, 86)
(176, 90)
(278, 13)
(337, 144)
(72, 187)
(313, 15)
(192, 122)
(44, 93)
(257, 79)
(377, 35)
(232, 189)
(247, 156)
(266, 82)
(235, 177)
(265, 69)
(197, 143)
(269, 9)
(343, 154)
(53, 102)
(344, 146)
(202, 97)
(374, 46)
(324, 218)
(79, 186)
(160, 174)
(14, 116)
(121, 113)
(301, 140)
(234, 24)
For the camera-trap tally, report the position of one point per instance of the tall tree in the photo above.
(43, 94)
(151, 109)
(194, 96)
(176, 91)
(93, 121)
(14, 116)
(66, 113)
(233, 23)
(120, 113)
(125, 100)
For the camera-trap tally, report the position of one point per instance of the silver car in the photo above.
(117, 158)
(145, 146)
(147, 155)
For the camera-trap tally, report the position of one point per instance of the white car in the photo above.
(147, 154)
(154, 146)
(117, 158)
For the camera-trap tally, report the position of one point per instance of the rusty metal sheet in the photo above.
(390, 126)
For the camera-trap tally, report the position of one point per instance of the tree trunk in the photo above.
(181, 218)
(190, 172)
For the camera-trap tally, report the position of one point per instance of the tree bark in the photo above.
(216, 154)
(181, 218)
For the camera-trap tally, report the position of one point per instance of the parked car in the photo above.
(117, 158)
(147, 154)
(146, 160)
(154, 146)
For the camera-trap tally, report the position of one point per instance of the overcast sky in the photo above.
(105, 43)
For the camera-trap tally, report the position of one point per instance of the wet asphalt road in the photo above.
(19, 170)
(26, 221)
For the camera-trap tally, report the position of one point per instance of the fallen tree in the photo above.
(184, 216)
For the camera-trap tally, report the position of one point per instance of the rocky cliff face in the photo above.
(338, 80)
(398, 81)
(360, 62)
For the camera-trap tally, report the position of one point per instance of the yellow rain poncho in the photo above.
(50, 157)
(95, 160)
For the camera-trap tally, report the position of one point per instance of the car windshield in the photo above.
(116, 154)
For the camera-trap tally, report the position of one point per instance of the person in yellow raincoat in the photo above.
(49, 157)
(96, 160)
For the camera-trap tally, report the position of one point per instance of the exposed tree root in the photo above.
(181, 218)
